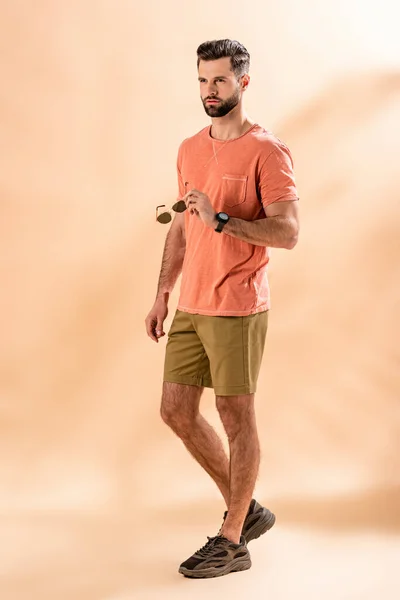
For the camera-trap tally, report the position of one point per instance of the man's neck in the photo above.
(230, 126)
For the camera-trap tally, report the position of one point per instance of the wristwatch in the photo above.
(222, 219)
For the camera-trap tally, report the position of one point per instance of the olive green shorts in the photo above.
(223, 353)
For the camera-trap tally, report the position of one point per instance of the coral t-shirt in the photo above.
(221, 274)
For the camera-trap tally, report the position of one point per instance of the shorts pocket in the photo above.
(234, 189)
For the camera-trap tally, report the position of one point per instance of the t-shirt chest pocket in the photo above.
(234, 188)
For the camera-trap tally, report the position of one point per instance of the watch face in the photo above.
(223, 217)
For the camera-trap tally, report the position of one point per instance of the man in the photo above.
(237, 182)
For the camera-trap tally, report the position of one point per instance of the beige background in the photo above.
(98, 499)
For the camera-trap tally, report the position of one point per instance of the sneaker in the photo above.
(219, 556)
(257, 521)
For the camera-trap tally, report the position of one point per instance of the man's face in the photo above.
(219, 89)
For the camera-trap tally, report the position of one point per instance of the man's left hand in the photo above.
(199, 204)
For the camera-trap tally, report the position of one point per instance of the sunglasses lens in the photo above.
(179, 206)
(164, 217)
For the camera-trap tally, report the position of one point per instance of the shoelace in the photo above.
(212, 541)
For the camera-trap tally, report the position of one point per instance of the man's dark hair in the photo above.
(240, 58)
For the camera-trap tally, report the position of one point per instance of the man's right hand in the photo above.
(155, 319)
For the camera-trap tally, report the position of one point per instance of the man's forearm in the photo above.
(171, 266)
(275, 232)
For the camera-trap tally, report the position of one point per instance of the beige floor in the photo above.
(109, 557)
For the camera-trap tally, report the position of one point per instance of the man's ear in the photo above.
(245, 82)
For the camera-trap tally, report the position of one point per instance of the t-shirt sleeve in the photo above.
(277, 181)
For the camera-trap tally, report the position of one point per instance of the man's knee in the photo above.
(236, 413)
(180, 405)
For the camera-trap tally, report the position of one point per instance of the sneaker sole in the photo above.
(264, 522)
(239, 564)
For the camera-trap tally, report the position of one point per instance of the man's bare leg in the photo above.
(180, 410)
(238, 417)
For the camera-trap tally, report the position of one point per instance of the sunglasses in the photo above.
(165, 216)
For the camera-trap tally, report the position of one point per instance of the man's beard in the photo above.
(223, 107)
